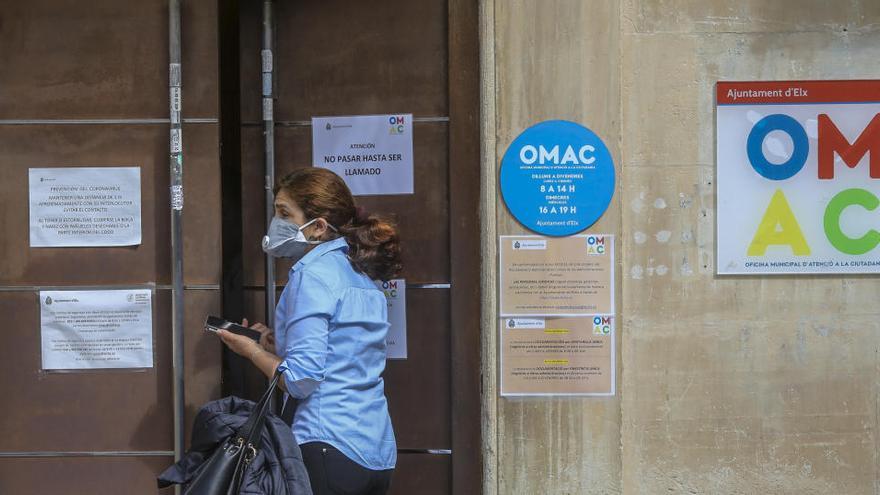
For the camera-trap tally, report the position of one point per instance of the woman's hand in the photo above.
(239, 344)
(252, 351)
(267, 335)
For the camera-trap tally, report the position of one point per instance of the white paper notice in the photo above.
(395, 293)
(372, 153)
(85, 206)
(96, 329)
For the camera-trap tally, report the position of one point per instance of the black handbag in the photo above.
(223, 472)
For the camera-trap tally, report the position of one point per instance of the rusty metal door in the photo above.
(86, 84)
(349, 57)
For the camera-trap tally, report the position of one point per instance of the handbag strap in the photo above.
(289, 410)
(251, 431)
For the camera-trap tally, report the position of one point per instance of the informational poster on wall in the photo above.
(372, 153)
(96, 329)
(557, 276)
(798, 172)
(558, 356)
(85, 206)
(395, 294)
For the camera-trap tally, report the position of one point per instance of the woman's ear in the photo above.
(320, 228)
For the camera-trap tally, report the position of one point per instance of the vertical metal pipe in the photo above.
(268, 84)
(176, 169)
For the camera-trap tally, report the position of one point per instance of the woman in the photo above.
(331, 323)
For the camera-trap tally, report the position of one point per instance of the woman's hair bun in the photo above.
(374, 246)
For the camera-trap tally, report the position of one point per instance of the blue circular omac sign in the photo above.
(557, 178)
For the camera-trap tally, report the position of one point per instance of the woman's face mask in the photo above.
(286, 240)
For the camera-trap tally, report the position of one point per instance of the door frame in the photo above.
(465, 238)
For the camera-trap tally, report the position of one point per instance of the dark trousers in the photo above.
(332, 473)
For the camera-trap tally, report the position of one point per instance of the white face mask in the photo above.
(286, 240)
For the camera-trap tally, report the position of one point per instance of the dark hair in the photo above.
(374, 246)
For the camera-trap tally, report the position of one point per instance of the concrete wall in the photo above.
(726, 385)
(553, 59)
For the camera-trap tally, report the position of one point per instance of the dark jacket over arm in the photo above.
(278, 469)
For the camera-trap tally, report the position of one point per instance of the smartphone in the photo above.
(214, 323)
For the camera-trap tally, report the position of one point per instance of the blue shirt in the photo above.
(331, 323)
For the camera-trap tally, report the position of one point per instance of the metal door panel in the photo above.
(66, 59)
(81, 475)
(418, 388)
(338, 57)
(422, 474)
(100, 410)
(102, 145)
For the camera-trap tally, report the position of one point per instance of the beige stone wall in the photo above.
(563, 445)
(735, 385)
